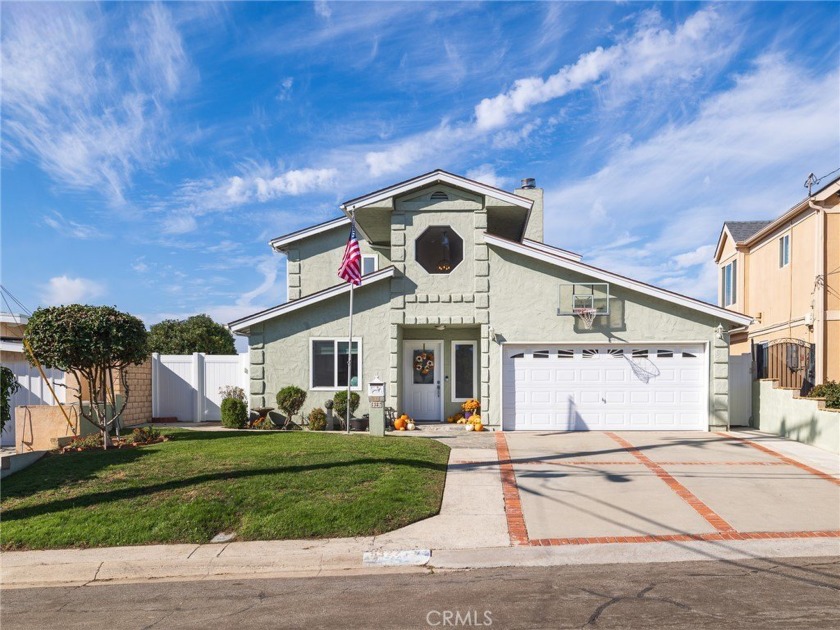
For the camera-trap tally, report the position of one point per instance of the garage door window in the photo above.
(590, 353)
(463, 370)
(618, 353)
(664, 354)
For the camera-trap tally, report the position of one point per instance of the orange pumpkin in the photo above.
(399, 423)
(478, 427)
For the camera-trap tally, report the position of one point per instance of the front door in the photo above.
(423, 395)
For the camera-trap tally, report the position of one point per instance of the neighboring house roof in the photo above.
(622, 281)
(281, 243)
(750, 232)
(435, 177)
(11, 318)
(742, 230)
(11, 346)
(239, 325)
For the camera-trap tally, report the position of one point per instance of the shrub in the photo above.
(143, 435)
(231, 391)
(85, 443)
(234, 413)
(340, 400)
(8, 386)
(830, 390)
(290, 400)
(317, 419)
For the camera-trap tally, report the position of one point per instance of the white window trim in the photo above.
(784, 251)
(375, 262)
(452, 345)
(336, 341)
(732, 269)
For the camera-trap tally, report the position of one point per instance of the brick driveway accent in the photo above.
(577, 487)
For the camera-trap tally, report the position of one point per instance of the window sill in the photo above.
(335, 389)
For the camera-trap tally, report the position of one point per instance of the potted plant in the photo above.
(470, 407)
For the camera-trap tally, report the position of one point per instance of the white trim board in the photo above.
(435, 177)
(627, 283)
(237, 326)
(336, 388)
(282, 242)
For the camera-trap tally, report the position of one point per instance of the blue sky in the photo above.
(149, 151)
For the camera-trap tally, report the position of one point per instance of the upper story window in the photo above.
(439, 249)
(370, 263)
(728, 281)
(784, 251)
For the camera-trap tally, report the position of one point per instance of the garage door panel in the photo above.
(596, 388)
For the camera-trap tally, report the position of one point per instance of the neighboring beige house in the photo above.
(785, 273)
(461, 299)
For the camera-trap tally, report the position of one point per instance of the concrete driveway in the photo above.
(577, 488)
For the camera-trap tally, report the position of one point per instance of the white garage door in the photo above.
(605, 387)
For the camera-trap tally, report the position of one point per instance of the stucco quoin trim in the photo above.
(627, 283)
(239, 325)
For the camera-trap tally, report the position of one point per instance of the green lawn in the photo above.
(187, 490)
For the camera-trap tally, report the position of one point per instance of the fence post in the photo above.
(155, 385)
(198, 385)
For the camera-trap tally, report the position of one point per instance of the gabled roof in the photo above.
(241, 324)
(551, 249)
(622, 281)
(435, 177)
(281, 243)
(751, 232)
(742, 230)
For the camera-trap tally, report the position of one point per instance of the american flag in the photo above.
(351, 265)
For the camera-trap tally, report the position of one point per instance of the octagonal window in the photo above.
(439, 249)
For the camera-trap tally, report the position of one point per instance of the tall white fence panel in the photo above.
(187, 386)
(33, 391)
(740, 389)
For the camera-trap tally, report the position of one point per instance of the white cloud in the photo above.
(486, 174)
(66, 290)
(88, 123)
(652, 53)
(72, 228)
(285, 92)
(661, 202)
(179, 224)
(323, 9)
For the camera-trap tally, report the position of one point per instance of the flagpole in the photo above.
(347, 412)
(349, 360)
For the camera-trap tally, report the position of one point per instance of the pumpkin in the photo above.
(478, 427)
(475, 419)
(470, 427)
(410, 426)
(399, 424)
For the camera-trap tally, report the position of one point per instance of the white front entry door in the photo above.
(422, 386)
(606, 387)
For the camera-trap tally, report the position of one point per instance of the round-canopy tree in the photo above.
(198, 333)
(96, 344)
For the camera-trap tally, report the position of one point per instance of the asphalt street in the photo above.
(787, 593)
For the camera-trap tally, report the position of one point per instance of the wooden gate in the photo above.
(790, 361)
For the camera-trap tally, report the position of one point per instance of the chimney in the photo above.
(529, 190)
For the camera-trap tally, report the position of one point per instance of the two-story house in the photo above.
(785, 273)
(461, 299)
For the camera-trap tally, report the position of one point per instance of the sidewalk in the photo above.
(470, 532)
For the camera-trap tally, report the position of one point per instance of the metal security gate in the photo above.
(790, 361)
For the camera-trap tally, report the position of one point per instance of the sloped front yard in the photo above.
(198, 484)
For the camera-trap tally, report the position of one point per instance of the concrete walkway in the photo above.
(471, 531)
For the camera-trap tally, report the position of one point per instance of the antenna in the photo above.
(812, 179)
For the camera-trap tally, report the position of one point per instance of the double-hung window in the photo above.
(464, 372)
(784, 251)
(328, 364)
(728, 281)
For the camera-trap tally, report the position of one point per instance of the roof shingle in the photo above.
(742, 230)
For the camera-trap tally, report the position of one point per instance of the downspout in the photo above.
(818, 305)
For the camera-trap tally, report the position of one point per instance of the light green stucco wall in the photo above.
(312, 263)
(279, 348)
(779, 411)
(524, 297)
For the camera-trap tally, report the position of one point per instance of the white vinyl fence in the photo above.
(186, 386)
(33, 391)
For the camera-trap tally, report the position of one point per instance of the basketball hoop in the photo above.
(643, 368)
(586, 315)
